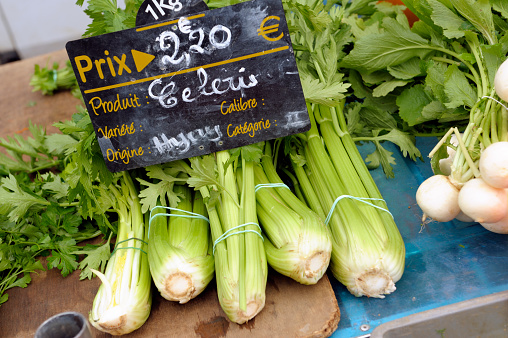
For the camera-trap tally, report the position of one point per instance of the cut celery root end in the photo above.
(180, 287)
(315, 264)
(373, 283)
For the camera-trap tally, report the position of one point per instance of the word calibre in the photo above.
(167, 95)
(105, 107)
(117, 131)
(237, 105)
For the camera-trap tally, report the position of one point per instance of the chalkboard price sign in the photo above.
(193, 85)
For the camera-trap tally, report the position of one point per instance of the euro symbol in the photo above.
(262, 30)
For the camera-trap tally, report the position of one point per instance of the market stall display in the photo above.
(379, 91)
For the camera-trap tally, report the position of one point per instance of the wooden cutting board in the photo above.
(291, 310)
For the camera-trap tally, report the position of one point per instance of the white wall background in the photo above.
(35, 27)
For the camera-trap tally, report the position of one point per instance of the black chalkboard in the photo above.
(210, 81)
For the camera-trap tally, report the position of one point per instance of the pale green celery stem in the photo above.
(158, 244)
(355, 157)
(273, 177)
(312, 199)
(296, 184)
(229, 211)
(255, 260)
(130, 226)
(138, 230)
(179, 227)
(327, 195)
(215, 224)
(278, 212)
(241, 239)
(198, 239)
(353, 185)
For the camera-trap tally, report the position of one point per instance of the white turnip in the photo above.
(501, 81)
(482, 202)
(463, 217)
(494, 165)
(499, 227)
(438, 198)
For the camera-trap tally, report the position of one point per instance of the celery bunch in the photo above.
(368, 251)
(240, 260)
(180, 248)
(297, 242)
(124, 299)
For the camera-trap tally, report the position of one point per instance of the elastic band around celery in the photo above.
(189, 215)
(227, 233)
(359, 199)
(270, 185)
(128, 247)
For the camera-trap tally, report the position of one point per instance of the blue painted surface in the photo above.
(445, 262)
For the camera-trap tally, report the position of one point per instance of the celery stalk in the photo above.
(368, 251)
(123, 301)
(179, 248)
(240, 260)
(297, 242)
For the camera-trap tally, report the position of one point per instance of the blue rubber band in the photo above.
(270, 185)
(189, 215)
(358, 199)
(228, 233)
(55, 75)
(128, 247)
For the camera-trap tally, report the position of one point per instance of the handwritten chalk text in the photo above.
(183, 142)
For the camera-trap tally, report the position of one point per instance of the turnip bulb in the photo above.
(463, 217)
(482, 202)
(494, 165)
(438, 198)
(501, 81)
(499, 227)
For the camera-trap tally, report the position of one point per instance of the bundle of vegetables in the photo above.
(440, 77)
(240, 260)
(179, 245)
(48, 81)
(368, 252)
(297, 242)
(124, 299)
